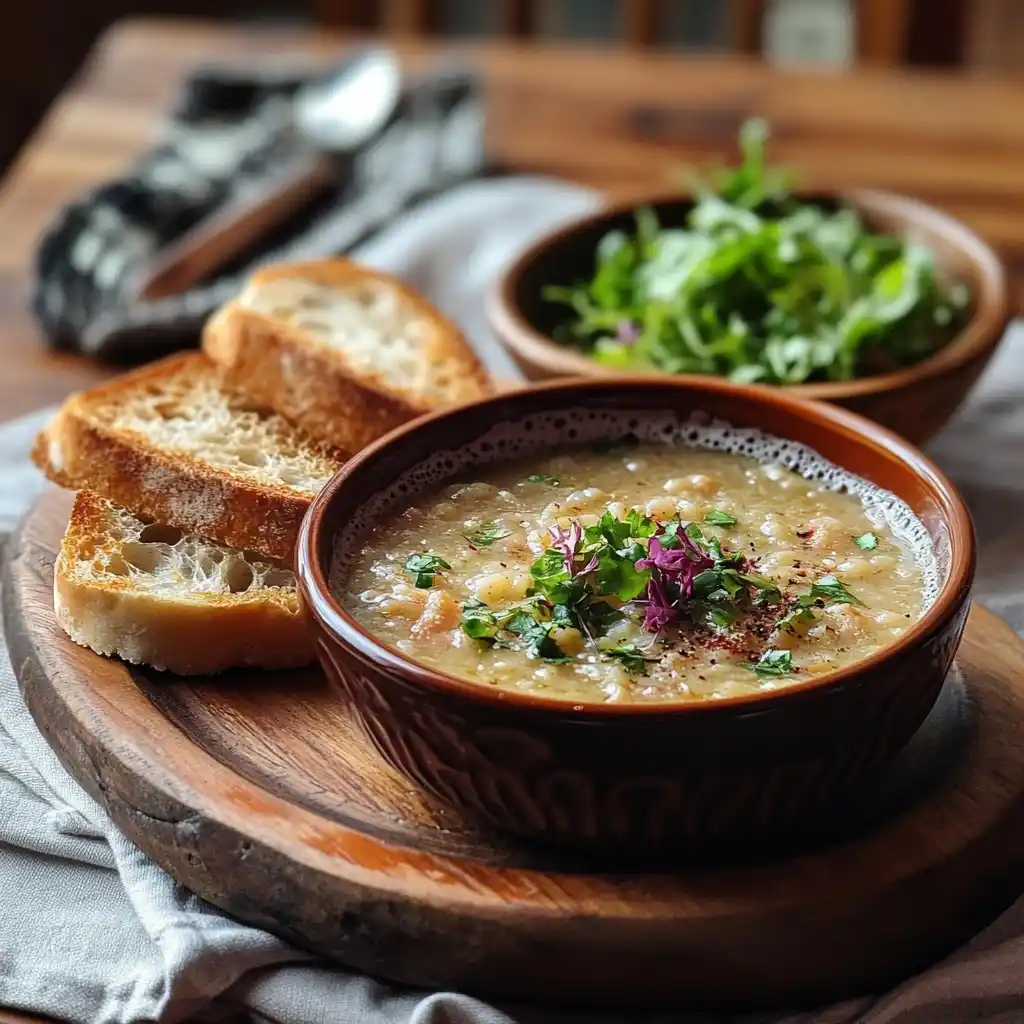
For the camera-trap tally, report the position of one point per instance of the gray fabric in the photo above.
(92, 931)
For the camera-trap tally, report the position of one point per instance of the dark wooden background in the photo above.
(45, 41)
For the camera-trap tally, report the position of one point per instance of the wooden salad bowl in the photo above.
(915, 402)
(598, 774)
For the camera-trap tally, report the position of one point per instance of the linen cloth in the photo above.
(92, 931)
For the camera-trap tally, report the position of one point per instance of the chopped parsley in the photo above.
(536, 638)
(633, 658)
(529, 622)
(832, 590)
(774, 663)
(423, 568)
(599, 616)
(478, 621)
(866, 541)
(542, 478)
(487, 535)
(801, 613)
(716, 517)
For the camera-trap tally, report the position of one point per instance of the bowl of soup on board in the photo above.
(637, 611)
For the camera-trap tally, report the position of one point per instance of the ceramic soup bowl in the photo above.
(617, 774)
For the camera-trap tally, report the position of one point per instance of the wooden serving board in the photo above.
(255, 791)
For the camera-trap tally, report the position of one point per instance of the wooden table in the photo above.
(624, 122)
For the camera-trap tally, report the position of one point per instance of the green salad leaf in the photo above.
(759, 286)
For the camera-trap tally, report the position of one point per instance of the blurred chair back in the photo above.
(881, 26)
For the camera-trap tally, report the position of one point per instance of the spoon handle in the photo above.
(213, 242)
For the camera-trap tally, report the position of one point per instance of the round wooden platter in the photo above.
(256, 792)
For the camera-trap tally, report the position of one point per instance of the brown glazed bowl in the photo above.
(915, 402)
(641, 774)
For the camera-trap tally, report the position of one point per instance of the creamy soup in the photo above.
(652, 572)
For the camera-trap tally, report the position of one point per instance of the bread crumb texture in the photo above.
(195, 415)
(113, 545)
(378, 331)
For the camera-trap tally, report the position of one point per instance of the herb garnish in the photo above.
(800, 614)
(531, 622)
(801, 611)
(542, 478)
(759, 285)
(487, 535)
(716, 517)
(536, 638)
(866, 541)
(774, 663)
(633, 658)
(561, 595)
(478, 621)
(670, 572)
(423, 569)
(829, 587)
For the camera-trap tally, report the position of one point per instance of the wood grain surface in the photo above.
(254, 791)
(625, 121)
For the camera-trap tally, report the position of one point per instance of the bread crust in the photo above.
(78, 450)
(313, 384)
(187, 633)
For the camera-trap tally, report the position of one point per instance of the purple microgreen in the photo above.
(658, 608)
(566, 542)
(676, 565)
(627, 332)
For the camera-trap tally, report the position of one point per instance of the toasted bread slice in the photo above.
(157, 596)
(173, 443)
(346, 352)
